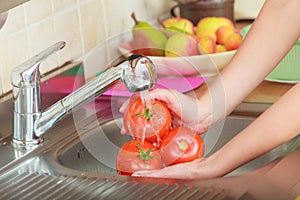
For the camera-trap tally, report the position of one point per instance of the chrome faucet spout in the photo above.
(30, 123)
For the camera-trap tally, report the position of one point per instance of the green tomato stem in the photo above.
(147, 113)
(145, 156)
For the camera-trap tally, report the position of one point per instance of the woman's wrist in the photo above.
(208, 168)
(208, 112)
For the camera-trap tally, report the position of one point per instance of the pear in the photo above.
(147, 40)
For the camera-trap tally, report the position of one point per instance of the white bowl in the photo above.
(204, 65)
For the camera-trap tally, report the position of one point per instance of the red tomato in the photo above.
(147, 120)
(137, 155)
(181, 145)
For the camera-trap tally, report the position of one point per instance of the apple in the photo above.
(222, 33)
(181, 45)
(205, 33)
(207, 45)
(233, 41)
(178, 23)
(213, 23)
(220, 48)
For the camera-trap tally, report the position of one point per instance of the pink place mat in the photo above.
(182, 84)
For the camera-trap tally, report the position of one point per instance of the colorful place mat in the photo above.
(182, 84)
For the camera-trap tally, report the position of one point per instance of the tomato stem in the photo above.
(145, 155)
(147, 113)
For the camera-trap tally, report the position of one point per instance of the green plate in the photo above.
(288, 70)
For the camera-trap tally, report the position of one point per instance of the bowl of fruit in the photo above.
(178, 48)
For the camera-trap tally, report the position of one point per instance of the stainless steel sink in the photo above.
(98, 148)
(84, 156)
(78, 156)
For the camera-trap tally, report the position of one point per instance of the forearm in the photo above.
(272, 35)
(277, 125)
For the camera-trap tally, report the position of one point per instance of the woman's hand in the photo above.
(197, 169)
(186, 110)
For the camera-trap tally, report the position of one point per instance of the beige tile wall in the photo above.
(82, 24)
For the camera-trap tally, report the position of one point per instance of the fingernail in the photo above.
(142, 173)
(123, 131)
(122, 109)
(136, 174)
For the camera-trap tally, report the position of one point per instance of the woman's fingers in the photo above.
(124, 106)
(178, 171)
(185, 110)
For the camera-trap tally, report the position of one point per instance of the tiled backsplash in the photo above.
(82, 24)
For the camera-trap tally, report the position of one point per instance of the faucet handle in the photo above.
(28, 73)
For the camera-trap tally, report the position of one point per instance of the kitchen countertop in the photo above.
(268, 92)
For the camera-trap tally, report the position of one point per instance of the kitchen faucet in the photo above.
(30, 122)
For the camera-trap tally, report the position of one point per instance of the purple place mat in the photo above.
(182, 84)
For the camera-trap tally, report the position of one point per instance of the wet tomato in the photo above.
(147, 120)
(137, 155)
(180, 145)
